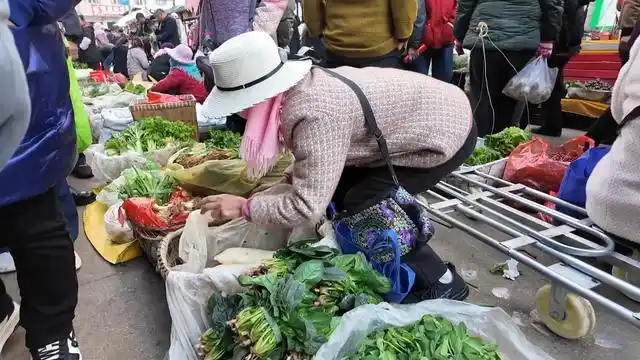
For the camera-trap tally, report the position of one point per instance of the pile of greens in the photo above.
(498, 146)
(94, 89)
(147, 183)
(135, 88)
(148, 135)
(290, 305)
(223, 139)
(432, 337)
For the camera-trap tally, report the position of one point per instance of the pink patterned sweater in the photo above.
(425, 122)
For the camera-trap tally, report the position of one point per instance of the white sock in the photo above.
(447, 278)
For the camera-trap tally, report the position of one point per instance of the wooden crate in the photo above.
(184, 111)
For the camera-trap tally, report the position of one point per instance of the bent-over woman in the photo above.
(184, 78)
(427, 124)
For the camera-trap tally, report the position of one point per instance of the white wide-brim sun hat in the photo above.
(247, 70)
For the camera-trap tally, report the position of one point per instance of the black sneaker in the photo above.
(81, 170)
(66, 349)
(547, 131)
(457, 289)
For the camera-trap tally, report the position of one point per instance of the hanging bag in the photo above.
(386, 228)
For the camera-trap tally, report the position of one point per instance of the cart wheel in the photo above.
(580, 318)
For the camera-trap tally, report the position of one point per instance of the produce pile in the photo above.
(153, 199)
(595, 85)
(148, 135)
(221, 145)
(135, 88)
(498, 146)
(94, 89)
(460, 62)
(290, 304)
(432, 337)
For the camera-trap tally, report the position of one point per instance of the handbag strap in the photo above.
(634, 113)
(369, 120)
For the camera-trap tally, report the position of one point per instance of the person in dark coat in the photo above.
(161, 64)
(120, 56)
(519, 31)
(168, 30)
(88, 52)
(567, 46)
(142, 26)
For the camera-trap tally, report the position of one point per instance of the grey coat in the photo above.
(137, 62)
(512, 24)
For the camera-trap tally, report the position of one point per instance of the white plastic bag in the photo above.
(534, 83)
(114, 120)
(120, 233)
(187, 296)
(108, 168)
(489, 323)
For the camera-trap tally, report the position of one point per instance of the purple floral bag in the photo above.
(396, 211)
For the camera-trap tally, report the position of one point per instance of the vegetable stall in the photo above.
(290, 301)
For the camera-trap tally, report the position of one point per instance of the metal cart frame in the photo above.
(484, 197)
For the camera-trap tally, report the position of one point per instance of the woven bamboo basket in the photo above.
(184, 111)
(168, 253)
(150, 240)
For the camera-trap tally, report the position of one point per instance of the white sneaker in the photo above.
(78, 260)
(9, 324)
(67, 349)
(6, 263)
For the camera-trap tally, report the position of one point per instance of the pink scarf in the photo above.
(262, 141)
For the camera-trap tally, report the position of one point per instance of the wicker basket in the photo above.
(150, 239)
(168, 253)
(184, 111)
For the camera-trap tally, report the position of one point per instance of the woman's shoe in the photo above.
(450, 286)
(83, 198)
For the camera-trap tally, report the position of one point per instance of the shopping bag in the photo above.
(573, 188)
(492, 324)
(80, 117)
(538, 165)
(534, 83)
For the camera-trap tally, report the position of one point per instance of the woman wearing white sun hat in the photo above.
(427, 124)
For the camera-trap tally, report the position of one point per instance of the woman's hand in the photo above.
(224, 207)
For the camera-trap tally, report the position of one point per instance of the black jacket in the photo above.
(159, 67)
(168, 32)
(91, 55)
(120, 57)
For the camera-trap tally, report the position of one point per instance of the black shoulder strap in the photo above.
(369, 120)
(635, 113)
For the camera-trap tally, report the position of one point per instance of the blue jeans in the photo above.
(68, 207)
(441, 61)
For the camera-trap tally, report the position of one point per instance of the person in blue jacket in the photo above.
(34, 229)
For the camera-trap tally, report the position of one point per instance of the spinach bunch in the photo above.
(482, 155)
(223, 139)
(291, 306)
(147, 183)
(432, 337)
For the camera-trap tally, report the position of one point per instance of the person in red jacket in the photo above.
(438, 39)
(184, 78)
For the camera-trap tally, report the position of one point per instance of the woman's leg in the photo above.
(443, 64)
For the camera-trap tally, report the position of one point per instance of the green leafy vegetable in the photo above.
(148, 135)
(291, 304)
(147, 183)
(223, 139)
(482, 155)
(506, 140)
(135, 88)
(432, 337)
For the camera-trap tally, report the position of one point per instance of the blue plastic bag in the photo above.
(573, 188)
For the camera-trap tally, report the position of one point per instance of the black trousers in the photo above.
(35, 232)
(358, 185)
(604, 130)
(552, 108)
(390, 60)
(486, 87)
